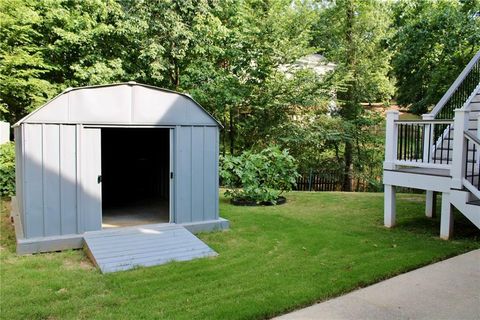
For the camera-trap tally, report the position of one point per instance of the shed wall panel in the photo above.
(183, 169)
(33, 181)
(210, 183)
(68, 181)
(51, 179)
(197, 173)
(91, 208)
(19, 172)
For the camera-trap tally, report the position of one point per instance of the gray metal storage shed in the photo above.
(123, 154)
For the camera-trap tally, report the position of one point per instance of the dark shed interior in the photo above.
(135, 176)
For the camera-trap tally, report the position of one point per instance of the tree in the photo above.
(47, 46)
(23, 67)
(263, 36)
(353, 34)
(433, 43)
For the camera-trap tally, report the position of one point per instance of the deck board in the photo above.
(148, 245)
(427, 171)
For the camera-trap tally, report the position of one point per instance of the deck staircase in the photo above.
(440, 153)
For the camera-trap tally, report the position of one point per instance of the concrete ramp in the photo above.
(148, 245)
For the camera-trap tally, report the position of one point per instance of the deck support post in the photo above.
(446, 219)
(389, 206)
(430, 204)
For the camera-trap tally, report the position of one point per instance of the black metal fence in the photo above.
(320, 181)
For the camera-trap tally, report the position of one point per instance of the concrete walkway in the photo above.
(446, 290)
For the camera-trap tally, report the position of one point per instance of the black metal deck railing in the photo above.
(460, 91)
(472, 160)
(425, 141)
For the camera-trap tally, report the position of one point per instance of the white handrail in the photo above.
(438, 107)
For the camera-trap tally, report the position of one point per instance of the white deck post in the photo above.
(459, 145)
(446, 219)
(428, 138)
(391, 137)
(389, 206)
(391, 140)
(430, 204)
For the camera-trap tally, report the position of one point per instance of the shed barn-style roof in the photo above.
(128, 103)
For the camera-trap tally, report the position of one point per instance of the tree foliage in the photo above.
(434, 42)
(237, 59)
(47, 46)
(7, 169)
(354, 35)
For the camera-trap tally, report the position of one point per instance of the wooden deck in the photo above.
(148, 245)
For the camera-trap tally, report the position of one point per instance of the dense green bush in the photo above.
(258, 177)
(7, 169)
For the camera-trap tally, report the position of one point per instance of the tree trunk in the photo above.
(224, 136)
(349, 112)
(347, 172)
(232, 132)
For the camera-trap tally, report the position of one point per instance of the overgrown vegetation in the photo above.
(240, 60)
(7, 169)
(258, 177)
(434, 42)
(273, 259)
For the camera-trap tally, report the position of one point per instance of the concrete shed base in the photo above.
(207, 226)
(49, 244)
(76, 241)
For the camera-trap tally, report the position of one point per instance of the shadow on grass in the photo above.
(464, 229)
(7, 231)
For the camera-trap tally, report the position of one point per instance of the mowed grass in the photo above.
(272, 260)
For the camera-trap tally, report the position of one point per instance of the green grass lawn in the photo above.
(272, 260)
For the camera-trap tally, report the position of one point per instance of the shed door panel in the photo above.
(91, 183)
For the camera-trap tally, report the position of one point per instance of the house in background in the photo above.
(4, 132)
(321, 67)
(315, 62)
(119, 155)
(439, 154)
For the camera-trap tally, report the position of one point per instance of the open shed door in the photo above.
(171, 194)
(91, 174)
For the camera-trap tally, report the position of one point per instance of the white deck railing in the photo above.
(418, 143)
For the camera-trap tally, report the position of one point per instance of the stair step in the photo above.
(474, 202)
(451, 149)
(450, 159)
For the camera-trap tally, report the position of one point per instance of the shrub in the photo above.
(258, 177)
(7, 169)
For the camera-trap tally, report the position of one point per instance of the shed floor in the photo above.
(136, 214)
